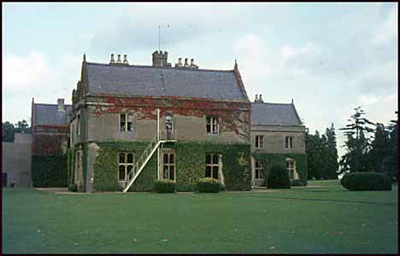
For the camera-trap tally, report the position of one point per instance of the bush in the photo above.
(373, 181)
(165, 186)
(297, 183)
(278, 177)
(208, 185)
(73, 187)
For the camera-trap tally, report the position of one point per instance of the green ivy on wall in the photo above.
(190, 165)
(70, 165)
(270, 160)
(49, 171)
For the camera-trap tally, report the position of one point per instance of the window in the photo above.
(212, 165)
(126, 122)
(290, 166)
(78, 125)
(259, 142)
(169, 166)
(288, 142)
(259, 170)
(125, 165)
(211, 125)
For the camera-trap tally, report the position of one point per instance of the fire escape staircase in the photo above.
(144, 159)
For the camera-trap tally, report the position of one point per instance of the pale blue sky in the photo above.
(330, 58)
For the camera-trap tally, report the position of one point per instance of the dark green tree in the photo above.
(357, 144)
(380, 149)
(331, 156)
(391, 163)
(7, 132)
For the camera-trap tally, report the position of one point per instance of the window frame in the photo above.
(212, 165)
(291, 169)
(126, 122)
(259, 141)
(212, 122)
(168, 165)
(289, 144)
(125, 164)
(258, 170)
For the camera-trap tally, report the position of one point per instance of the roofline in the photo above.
(102, 95)
(147, 66)
(283, 125)
(48, 104)
(295, 111)
(271, 103)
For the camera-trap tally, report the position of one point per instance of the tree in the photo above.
(380, 149)
(357, 144)
(391, 163)
(9, 129)
(7, 132)
(331, 154)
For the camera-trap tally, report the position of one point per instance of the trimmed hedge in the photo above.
(297, 183)
(73, 187)
(278, 177)
(164, 186)
(49, 171)
(208, 185)
(362, 181)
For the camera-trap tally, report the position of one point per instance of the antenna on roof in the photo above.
(159, 40)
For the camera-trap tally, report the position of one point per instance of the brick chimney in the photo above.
(160, 59)
(60, 103)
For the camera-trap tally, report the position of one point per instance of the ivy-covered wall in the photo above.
(190, 165)
(270, 160)
(70, 165)
(106, 166)
(49, 171)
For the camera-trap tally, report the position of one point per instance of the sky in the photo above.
(329, 58)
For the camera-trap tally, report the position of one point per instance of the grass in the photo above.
(326, 219)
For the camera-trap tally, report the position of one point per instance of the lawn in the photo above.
(327, 219)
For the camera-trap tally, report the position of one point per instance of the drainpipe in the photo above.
(158, 149)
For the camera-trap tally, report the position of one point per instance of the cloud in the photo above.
(388, 31)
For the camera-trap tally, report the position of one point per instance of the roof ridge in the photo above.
(167, 68)
(49, 104)
(271, 103)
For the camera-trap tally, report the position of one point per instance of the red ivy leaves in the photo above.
(231, 114)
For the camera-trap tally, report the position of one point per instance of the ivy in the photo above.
(49, 171)
(70, 165)
(269, 160)
(190, 165)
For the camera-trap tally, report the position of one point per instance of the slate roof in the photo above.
(274, 114)
(48, 114)
(156, 81)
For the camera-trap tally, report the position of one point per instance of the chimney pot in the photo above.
(112, 59)
(261, 99)
(186, 63)
(126, 59)
(119, 58)
(256, 99)
(60, 103)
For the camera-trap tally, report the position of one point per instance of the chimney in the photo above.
(119, 59)
(112, 61)
(160, 59)
(126, 60)
(60, 103)
(192, 65)
(260, 99)
(179, 64)
(186, 63)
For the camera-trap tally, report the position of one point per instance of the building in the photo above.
(16, 164)
(132, 124)
(50, 131)
(277, 138)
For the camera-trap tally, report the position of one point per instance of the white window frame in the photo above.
(169, 164)
(289, 142)
(213, 122)
(127, 122)
(258, 168)
(125, 164)
(212, 165)
(259, 141)
(291, 168)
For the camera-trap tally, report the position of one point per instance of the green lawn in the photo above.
(301, 220)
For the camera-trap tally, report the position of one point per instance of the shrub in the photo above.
(73, 187)
(165, 186)
(297, 183)
(208, 185)
(359, 181)
(278, 177)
